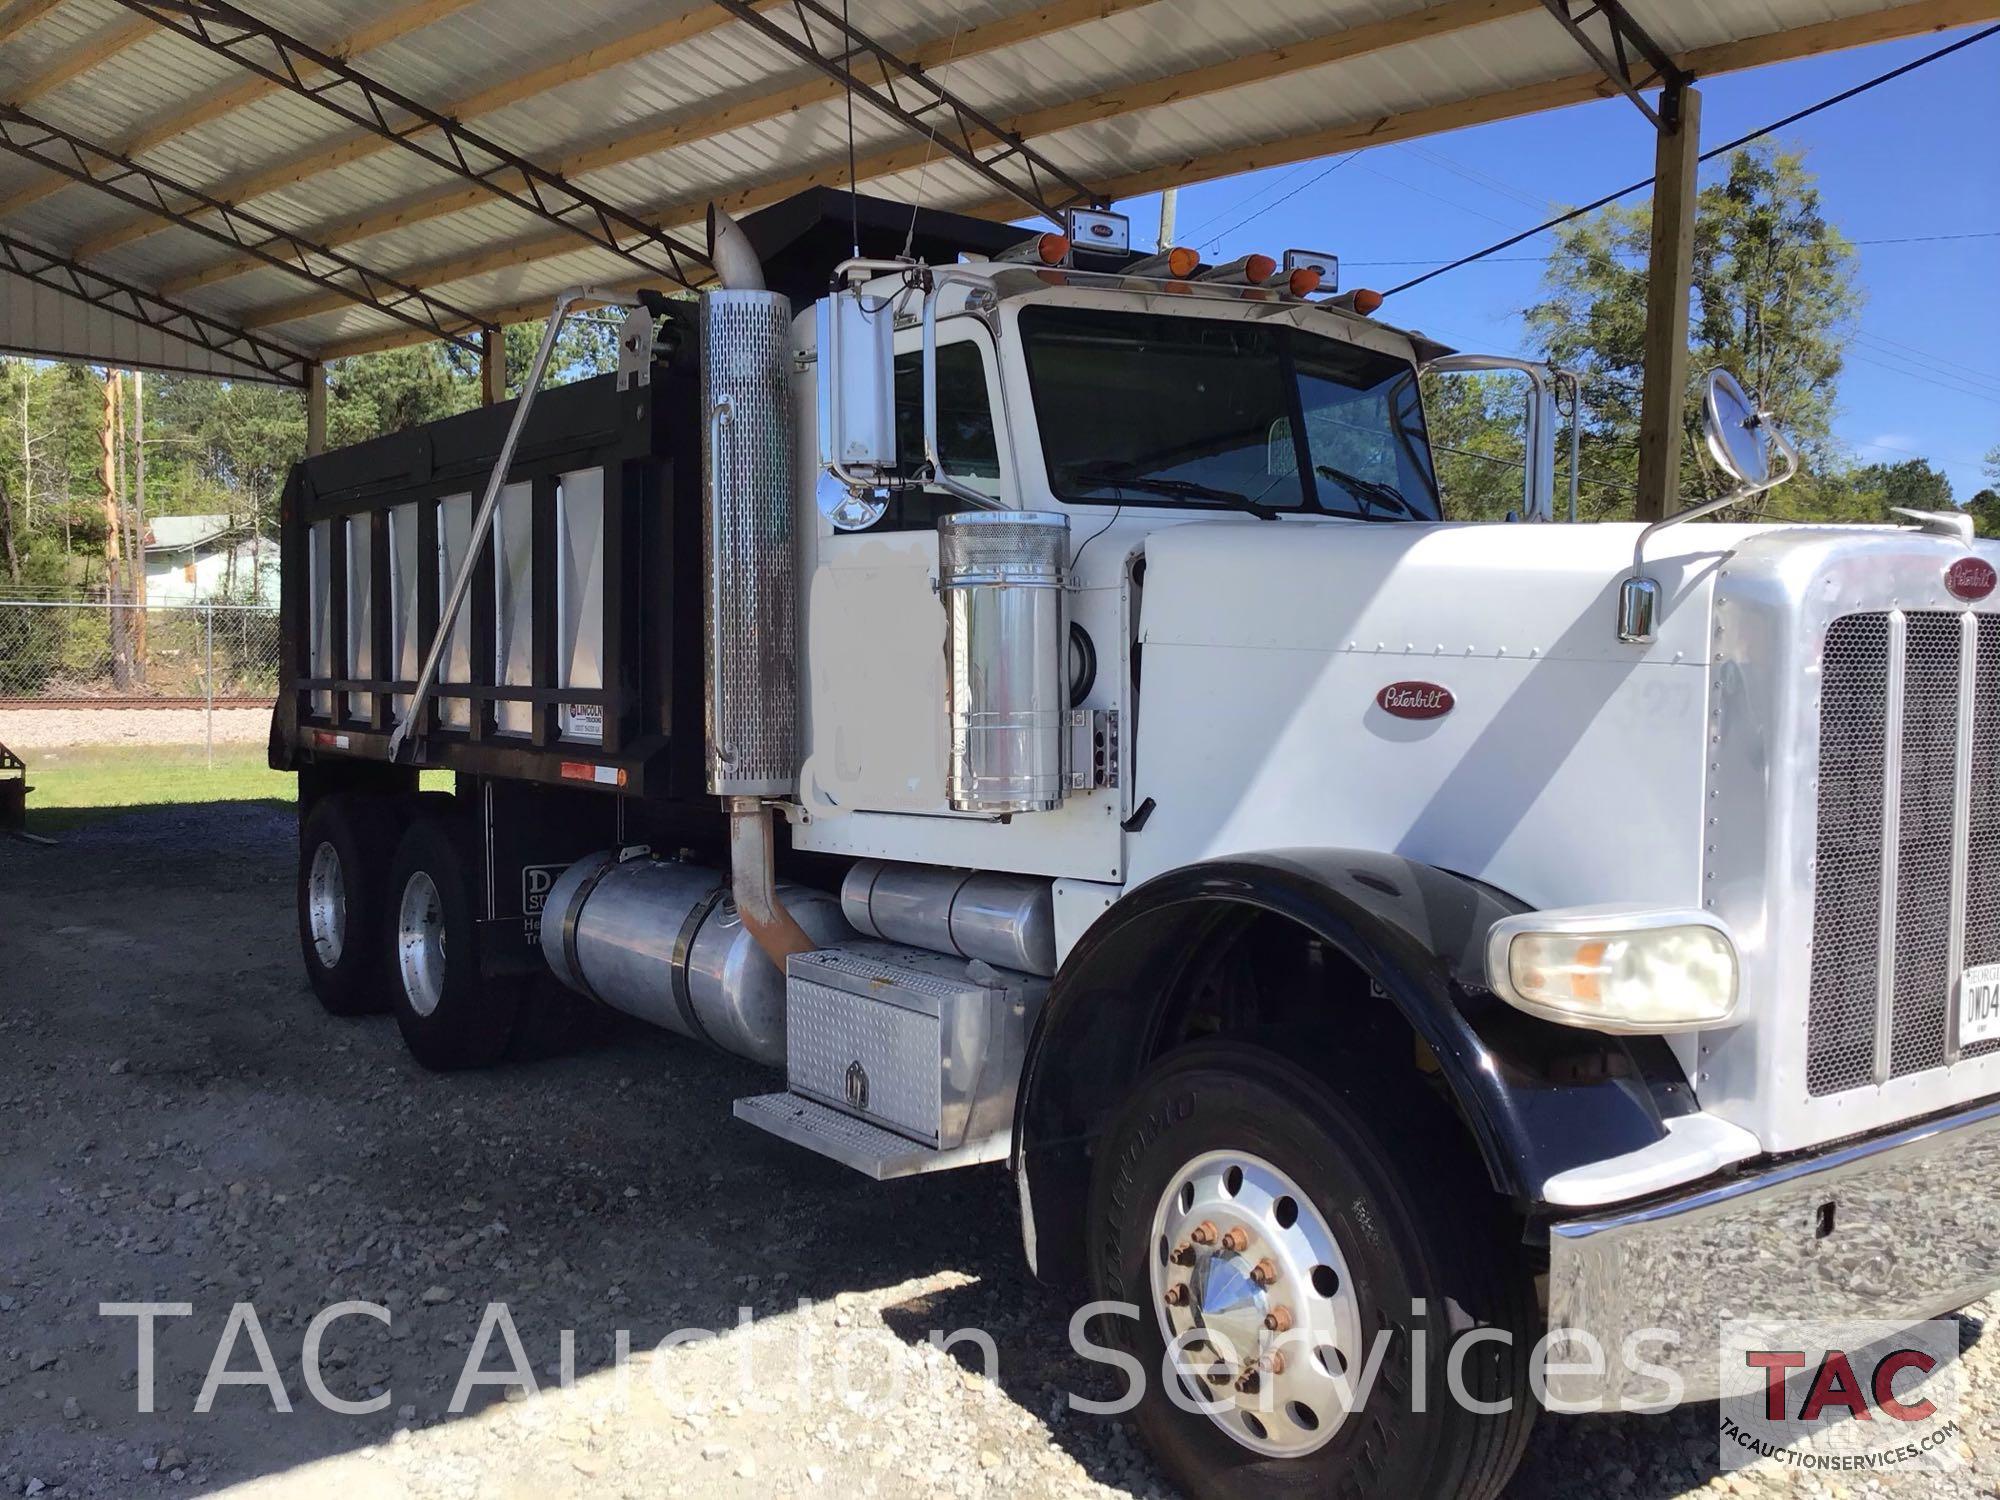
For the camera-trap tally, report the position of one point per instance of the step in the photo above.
(869, 1149)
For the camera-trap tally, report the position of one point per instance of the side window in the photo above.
(966, 440)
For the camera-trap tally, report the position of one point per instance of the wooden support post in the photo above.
(493, 367)
(315, 409)
(1669, 273)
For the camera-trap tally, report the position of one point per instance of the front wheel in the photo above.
(1312, 1256)
(451, 1015)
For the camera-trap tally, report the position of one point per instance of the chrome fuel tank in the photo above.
(662, 941)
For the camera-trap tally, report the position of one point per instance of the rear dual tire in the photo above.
(451, 1014)
(345, 845)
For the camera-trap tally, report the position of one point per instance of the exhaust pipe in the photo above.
(753, 882)
(737, 264)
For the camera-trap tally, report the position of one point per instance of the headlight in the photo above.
(1616, 969)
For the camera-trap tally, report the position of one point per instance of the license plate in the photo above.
(1979, 1004)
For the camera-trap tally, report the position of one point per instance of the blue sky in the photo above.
(1918, 156)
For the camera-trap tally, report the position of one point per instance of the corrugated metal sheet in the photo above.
(36, 320)
(492, 254)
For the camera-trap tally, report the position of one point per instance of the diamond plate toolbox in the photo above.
(923, 1044)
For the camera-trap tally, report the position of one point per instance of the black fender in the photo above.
(1538, 1098)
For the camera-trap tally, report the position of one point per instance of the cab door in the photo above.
(874, 630)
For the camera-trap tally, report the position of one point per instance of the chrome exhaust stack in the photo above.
(749, 522)
(737, 264)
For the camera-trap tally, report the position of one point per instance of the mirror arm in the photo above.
(1639, 597)
(932, 457)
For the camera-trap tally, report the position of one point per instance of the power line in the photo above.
(1965, 371)
(1277, 203)
(1521, 260)
(1726, 147)
(1927, 379)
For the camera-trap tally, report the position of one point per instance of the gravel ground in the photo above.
(57, 728)
(179, 1122)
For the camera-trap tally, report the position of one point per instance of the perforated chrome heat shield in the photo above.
(748, 515)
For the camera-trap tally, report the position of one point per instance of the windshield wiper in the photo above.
(1186, 489)
(1368, 491)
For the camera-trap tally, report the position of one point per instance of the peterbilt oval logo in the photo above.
(1971, 578)
(1416, 700)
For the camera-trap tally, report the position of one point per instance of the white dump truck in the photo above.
(1034, 699)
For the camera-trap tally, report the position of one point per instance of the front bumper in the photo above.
(1899, 1228)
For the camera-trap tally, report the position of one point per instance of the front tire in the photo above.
(450, 1014)
(1250, 1210)
(346, 844)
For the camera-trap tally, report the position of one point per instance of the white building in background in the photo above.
(209, 560)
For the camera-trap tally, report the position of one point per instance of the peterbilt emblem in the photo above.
(857, 1085)
(1416, 700)
(1971, 578)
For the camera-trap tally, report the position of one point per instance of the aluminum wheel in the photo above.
(420, 953)
(326, 905)
(1250, 1283)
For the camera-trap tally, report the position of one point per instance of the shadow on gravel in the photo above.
(180, 1123)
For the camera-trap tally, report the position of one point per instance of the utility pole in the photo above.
(121, 644)
(1169, 203)
(138, 563)
(1669, 274)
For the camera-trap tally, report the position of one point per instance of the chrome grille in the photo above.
(1982, 896)
(1907, 887)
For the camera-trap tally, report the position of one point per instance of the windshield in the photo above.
(1155, 409)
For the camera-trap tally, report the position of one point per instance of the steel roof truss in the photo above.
(1616, 57)
(907, 93)
(339, 87)
(144, 187)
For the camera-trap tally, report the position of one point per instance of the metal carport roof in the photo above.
(249, 189)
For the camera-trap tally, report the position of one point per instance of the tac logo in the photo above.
(1416, 700)
(1850, 1399)
(1971, 578)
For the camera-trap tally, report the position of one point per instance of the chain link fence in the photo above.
(75, 655)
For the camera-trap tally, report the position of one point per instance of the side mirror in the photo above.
(1737, 433)
(1543, 420)
(1740, 436)
(857, 387)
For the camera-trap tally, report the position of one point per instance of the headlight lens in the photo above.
(1655, 978)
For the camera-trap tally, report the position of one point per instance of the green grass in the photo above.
(75, 785)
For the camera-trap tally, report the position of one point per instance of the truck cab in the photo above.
(1042, 708)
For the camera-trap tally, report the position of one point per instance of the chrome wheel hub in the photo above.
(1253, 1292)
(326, 905)
(420, 944)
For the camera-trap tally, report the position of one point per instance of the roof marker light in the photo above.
(1049, 249)
(1250, 270)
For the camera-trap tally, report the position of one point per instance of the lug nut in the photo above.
(1248, 1382)
(1177, 1295)
(1264, 1272)
(1237, 1240)
(1278, 1319)
(1183, 1255)
(1203, 1233)
(1252, 1377)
